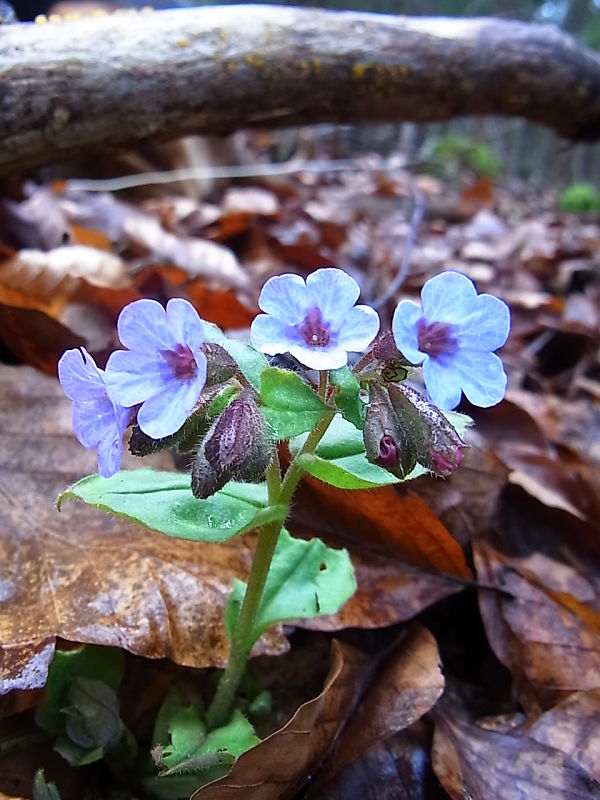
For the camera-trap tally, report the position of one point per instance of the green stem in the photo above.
(280, 493)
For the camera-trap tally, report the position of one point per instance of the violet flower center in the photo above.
(314, 331)
(436, 339)
(181, 362)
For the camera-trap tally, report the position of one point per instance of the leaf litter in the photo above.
(511, 538)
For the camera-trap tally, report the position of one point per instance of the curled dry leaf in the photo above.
(573, 727)
(480, 764)
(85, 576)
(60, 271)
(279, 765)
(407, 686)
(198, 257)
(546, 638)
(397, 769)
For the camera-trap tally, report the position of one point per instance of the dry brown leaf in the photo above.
(407, 686)
(198, 257)
(59, 272)
(85, 576)
(277, 767)
(34, 337)
(534, 634)
(397, 769)
(478, 764)
(573, 727)
(404, 526)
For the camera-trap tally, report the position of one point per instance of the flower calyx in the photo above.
(402, 428)
(237, 446)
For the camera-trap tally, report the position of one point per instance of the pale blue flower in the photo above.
(164, 368)
(315, 321)
(98, 422)
(453, 335)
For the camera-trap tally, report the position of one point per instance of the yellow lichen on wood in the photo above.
(255, 60)
(183, 43)
(317, 65)
(359, 71)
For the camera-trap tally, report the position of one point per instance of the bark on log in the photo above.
(82, 86)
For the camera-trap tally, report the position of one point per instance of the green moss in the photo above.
(454, 151)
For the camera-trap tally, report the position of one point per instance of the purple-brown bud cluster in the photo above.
(402, 428)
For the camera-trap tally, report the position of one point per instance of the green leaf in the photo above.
(77, 756)
(187, 731)
(92, 718)
(340, 460)
(236, 737)
(43, 790)
(288, 404)
(347, 398)
(249, 360)
(164, 502)
(95, 663)
(307, 579)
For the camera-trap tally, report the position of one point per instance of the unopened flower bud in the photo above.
(236, 447)
(403, 427)
(220, 366)
(437, 444)
(386, 440)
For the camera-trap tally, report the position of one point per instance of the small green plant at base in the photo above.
(580, 198)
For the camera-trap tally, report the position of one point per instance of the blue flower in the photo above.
(453, 336)
(164, 368)
(315, 321)
(98, 422)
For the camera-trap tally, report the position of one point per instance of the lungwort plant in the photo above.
(180, 383)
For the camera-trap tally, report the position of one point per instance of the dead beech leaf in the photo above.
(198, 257)
(405, 526)
(59, 272)
(279, 765)
(534, 633)
(406, 687)
(397, 769)
(573, 727)
(85, 576)
(478, 764)
(34, 337)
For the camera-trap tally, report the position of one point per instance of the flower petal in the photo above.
(443, 384)
(143, 326)
(333, 292)
(487, 326)
(165, 412)
(79, 376)
(285, 298)
(482, 377)
(449, 297)
(184, 322)
(110, 453)
(360, 327)
(320, 357)
(271, 336)
(132, 377)
(92, 420)
(404, 329)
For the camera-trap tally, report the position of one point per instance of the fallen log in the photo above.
(79, 87)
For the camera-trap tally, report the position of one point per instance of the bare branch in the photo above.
(80, 87)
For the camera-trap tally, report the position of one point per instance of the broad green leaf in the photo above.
(347, 398)
(340, 460)
(92, 662)
(288, 404)
(236, 737)
(77, 756)
(306, 579)
(250, 361)
(187, 731)
(164, 502)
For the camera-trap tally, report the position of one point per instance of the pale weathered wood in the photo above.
(83, 86)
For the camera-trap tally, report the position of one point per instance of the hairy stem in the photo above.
(280, 493)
